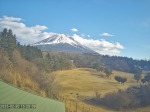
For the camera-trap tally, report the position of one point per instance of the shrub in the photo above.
(120, 79)
(132, 97)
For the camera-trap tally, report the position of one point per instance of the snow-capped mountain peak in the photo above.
(58, 38)
(62, 43)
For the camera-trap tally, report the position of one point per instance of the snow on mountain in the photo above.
(58, 38)
(62, 43)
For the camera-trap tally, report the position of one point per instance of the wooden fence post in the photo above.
(83, 108)
(76, 106)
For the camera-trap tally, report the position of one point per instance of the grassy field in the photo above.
(12, 95)
(82, 83)
(77, 85)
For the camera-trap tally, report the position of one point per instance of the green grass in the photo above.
(13, 95)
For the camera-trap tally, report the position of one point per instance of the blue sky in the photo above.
(127, 22)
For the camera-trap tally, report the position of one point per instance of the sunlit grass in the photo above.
(86, 81)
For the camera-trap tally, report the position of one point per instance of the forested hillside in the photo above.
(100, 61)
(27, 67)
(125, 64)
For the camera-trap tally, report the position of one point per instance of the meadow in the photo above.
(80, 84)
(75, 87)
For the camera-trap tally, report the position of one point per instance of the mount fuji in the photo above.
(62, 43)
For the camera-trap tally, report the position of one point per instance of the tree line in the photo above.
(125, 64)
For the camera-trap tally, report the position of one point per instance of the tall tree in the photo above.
(8, 41)
(108, 71)
(11, 42)
(138, 73)
(4, 39)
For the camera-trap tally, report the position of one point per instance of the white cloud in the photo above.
(106, 35)
(6, 18)
(100, 46)
(31, 34)
(25, 34)
(74, 30)
(38, 27)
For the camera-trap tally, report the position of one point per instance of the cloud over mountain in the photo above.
(31, 34)
(101, 46)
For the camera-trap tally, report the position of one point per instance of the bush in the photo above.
(147, 78)
(120, 79)
(132, 97)
(144, 95)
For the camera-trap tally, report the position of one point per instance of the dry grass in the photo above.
(82, 83)
(143, 109)
(86, 81)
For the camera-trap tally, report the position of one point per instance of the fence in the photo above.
(77, 106)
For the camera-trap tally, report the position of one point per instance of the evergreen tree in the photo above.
(4, 39)
(8, 41)
(11, 43)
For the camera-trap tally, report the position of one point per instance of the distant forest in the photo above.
(125, 64)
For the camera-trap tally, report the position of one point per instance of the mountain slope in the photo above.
(62, 43)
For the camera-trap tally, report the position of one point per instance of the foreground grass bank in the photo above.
(12, 95)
